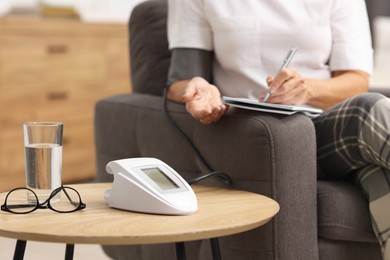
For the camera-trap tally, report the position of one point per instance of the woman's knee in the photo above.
(365, 100)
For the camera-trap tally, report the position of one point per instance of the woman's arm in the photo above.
(342, 85)
(176, 91)
(189, 82)
(289, 87)
(202, 99)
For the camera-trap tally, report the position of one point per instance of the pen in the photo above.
(285, 63)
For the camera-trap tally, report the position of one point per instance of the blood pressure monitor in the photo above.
(149, 185)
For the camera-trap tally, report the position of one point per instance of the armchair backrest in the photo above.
(149, 53)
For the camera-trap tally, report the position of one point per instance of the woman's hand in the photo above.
(288, 87)
(203, 101)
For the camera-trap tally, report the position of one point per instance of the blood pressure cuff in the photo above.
(187, 63)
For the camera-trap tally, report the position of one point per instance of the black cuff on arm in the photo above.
(187, 63)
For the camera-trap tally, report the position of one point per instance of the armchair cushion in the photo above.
(343, 213)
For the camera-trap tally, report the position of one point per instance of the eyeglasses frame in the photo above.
(46, 203)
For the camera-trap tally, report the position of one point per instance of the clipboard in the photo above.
(251, 104)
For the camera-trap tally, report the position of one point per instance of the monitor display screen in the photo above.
(160, 178)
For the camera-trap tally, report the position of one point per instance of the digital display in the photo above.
(160, 178)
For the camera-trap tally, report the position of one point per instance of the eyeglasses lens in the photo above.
(21, 201)
(66, 200)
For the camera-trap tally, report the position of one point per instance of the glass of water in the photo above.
(43, 157)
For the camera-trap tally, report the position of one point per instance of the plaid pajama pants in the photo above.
(353, 138)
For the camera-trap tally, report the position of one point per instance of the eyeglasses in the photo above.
(24, 200)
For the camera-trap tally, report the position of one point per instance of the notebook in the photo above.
(256, 105)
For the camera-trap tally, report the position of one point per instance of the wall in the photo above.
(381, 29)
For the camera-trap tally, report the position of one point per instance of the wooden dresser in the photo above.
(56, 70)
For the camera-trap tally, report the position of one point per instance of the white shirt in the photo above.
(251, 38)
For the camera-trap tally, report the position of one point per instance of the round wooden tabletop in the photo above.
(221, 212)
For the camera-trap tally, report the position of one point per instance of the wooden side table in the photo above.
(221, 212)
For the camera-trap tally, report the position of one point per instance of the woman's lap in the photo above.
(346, 132)
(353, 138)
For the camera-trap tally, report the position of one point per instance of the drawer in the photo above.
(14, 114)
(82, 80)
(44, 111)
(30, 98)
(50, 62)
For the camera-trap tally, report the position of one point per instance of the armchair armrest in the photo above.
(264, 153)
(384, 91)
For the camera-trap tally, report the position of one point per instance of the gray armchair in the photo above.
(269, 154)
